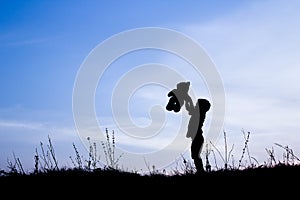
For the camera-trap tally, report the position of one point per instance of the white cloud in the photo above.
(21, 125)
(23, 136)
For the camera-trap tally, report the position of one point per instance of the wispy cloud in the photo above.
(24, 136)
(22, 125)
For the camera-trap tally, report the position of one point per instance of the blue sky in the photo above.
(254, 45)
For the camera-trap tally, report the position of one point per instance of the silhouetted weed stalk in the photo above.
(151, 168)
(15, 166)
(228, 158)
(45, 159)
(246, 160)
(186, 167)
(250, 158)
(109, 147)
(288, 157)
(78, 159)
(227, 154)
(93, 160)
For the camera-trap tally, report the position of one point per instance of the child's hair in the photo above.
(203, 104)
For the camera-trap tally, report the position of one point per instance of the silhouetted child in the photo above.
(198, 113)
(178, 96)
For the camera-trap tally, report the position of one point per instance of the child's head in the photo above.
(183, 86)
(203, 104)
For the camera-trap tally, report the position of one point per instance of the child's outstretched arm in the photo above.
(189, 105)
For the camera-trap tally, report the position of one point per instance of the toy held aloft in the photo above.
(178, 96)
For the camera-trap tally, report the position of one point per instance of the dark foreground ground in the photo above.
(279, 178)
(71, 176)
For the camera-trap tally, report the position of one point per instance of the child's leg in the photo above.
(195, 150)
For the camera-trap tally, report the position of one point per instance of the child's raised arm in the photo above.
(189, 105)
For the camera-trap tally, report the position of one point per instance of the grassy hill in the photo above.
(280, 176)
(258, 183)
(279, 172)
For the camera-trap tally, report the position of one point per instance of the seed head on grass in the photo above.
(15, 167)
(271, 160)
(207, 153)
(36, 162)
(93, 158)
(289, 156)
(109, 151)
(244, 149)
(78, 160)
(47, 158)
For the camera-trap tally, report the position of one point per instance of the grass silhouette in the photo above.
(87, 170)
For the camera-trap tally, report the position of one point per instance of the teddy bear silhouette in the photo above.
(177, 96)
